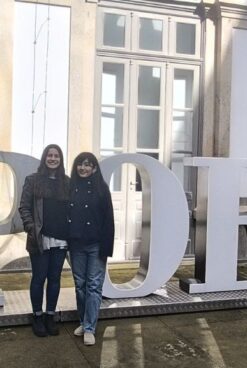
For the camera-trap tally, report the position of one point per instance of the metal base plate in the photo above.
(167, 300)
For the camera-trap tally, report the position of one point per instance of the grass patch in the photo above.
(118, 274)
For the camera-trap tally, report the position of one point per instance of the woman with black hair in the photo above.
(91, 237)
(43, 209)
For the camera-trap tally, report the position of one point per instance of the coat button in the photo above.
(89, 191)
(89, 182)
(70, 220)
(86, 206)
(71, 204)
(88, 223)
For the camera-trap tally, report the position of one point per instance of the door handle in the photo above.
(134, 183)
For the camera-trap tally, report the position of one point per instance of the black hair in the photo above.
(91, 158)
(42, 183)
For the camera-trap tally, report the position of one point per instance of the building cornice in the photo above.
(218, 9)
(157, 5)
(211, 9)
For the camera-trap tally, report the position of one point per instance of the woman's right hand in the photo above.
(29, 228)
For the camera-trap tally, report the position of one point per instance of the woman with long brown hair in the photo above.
(43, 209)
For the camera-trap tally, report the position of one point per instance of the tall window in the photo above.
(149, 65)
(147, 93)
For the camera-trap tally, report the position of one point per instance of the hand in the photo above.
(29, 228)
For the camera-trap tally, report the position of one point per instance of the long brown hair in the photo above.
(42, 184)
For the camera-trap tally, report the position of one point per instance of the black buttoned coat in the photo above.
(91, 214)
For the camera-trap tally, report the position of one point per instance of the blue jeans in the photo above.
(89, 274)
(47, 265)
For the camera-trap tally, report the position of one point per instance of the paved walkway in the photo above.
(193, 340)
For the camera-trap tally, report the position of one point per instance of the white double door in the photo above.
(149, 108)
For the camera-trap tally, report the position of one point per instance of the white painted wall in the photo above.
(40, 68)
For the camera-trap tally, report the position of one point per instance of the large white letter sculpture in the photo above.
(168, 231)
(164, 207)
(21, 166)
(219, 209)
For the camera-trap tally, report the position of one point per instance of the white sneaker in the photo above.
(79, 331)
(89, 338)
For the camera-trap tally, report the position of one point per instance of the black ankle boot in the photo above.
(51, 325)
(38, 326)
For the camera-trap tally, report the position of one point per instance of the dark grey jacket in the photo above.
(31, 212)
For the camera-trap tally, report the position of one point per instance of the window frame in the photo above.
(100, 22)
(136, 33)
(173, 36)
(132, 32)
(97, 126)
(170, 60)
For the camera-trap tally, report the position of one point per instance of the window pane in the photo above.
(111, 127)
(182, 131)
(185, 39)
(138, 186)
(183, 89)
(182, 172)
(148, 129)
(114, 30)
(149, 86)
(112, 83)
(150, 37)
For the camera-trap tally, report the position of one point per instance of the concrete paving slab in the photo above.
(196, 340)
(145, 342)
(221, 334)
(20, 348)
